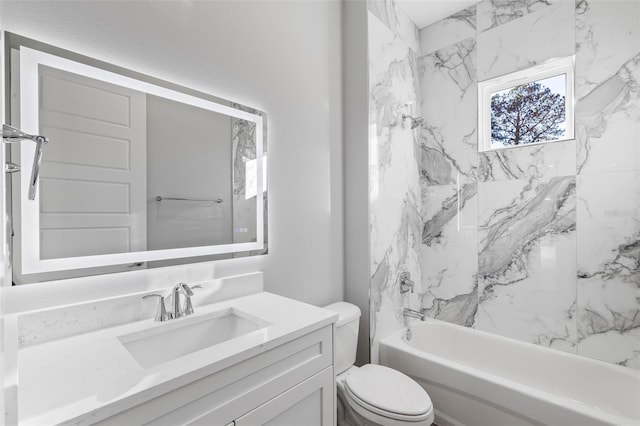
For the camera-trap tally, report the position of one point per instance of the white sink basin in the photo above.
(183, 336)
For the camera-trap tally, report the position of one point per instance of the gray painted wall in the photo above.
(356, 173)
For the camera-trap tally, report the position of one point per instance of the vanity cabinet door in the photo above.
(310, 403)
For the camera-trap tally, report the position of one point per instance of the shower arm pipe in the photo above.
(12, 135)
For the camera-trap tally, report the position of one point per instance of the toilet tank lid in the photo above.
(347, 312)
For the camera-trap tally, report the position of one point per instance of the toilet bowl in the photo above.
(373, 394)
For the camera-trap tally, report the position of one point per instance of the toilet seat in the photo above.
(386, 396)
(386, 418)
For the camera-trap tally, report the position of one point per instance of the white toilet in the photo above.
(373, 394)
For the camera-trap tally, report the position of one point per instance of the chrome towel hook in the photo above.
(12, 135)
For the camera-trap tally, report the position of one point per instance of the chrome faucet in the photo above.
(178, 311)
(421, 314)
(406, 284)
(188, 307)
(177, 304)
(161, 311)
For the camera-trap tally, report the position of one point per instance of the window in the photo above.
(527, 107)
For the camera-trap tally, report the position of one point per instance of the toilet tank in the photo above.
(346, 337)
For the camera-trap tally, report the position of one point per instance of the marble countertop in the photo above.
(85, 378)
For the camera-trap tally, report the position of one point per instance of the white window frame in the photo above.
(540, 72)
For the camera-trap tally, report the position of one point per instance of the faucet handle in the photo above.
(161, 311)
(187, 289)
(188, 310)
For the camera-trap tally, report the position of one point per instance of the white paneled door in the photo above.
(93, 180)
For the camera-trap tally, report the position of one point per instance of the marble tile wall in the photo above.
(527, 260)
(538, 243)
(545, 30)
(557, 225)
(608, 181)
(608, 263)
(448, 166)
(395, 196)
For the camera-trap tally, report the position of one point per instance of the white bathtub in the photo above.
(476, 378)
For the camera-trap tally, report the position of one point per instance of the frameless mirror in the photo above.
(137, 174)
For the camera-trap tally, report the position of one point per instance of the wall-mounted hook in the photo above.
(11, 168)
(12, 135)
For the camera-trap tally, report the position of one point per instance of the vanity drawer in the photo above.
(232, 392)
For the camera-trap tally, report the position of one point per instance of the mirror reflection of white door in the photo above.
(93, 175)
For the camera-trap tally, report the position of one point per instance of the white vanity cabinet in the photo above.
(290, 384)
(305, 404)
(272, 363)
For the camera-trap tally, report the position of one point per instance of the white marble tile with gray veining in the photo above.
(449, 105)
(506, 255)
(607, 86)
(449, 209)
(449, 253)
(394, 179)
(450, 30)
(527, 260)
(401, 254)
(524, 42)
(395, 19)
(608, 213)
(458, 309)
(493, 13)
(540, 309)
(537, 161)
(607, 37)
(512, 214)
(392, 84)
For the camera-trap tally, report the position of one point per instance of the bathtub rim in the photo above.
(397, 341)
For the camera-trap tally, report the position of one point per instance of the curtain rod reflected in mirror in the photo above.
(160, 198)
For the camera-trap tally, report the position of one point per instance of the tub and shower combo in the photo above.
(476, 378)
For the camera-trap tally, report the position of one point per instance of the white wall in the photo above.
(356, 155)
(2, 254)
(282, 57)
